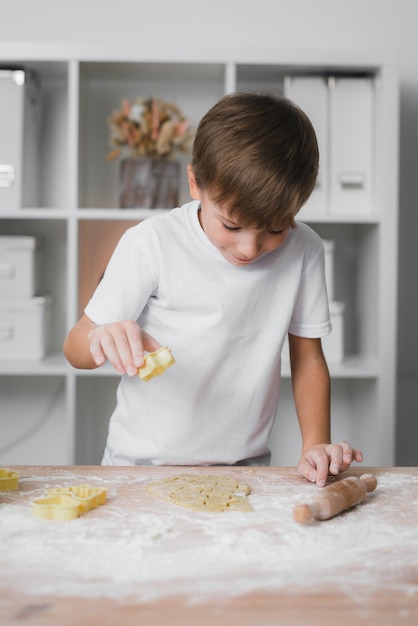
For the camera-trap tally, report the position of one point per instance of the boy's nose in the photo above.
(248, 247)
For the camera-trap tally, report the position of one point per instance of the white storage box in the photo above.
(24, 329)
(18, 266)
(19, 146)
(329, 247)
(351, 163)
(332, 344)
(341, 109)
(311, 93)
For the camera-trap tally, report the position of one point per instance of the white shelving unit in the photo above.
(59, 415)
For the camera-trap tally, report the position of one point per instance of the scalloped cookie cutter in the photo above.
(9, 480)
(56, 507)
(68, 503)
(88, 497)
(156, 363)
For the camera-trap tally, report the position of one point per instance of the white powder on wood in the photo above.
(139, 555)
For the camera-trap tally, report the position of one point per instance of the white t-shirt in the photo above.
(225, 325)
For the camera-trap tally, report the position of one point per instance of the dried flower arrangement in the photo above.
(148, 127)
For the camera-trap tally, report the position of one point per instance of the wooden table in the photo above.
(140, 560)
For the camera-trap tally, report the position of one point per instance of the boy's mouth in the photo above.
(240, 261)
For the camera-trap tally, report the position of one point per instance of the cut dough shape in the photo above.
(203, 492)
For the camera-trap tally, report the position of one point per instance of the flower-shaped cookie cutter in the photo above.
(56, 507)
(9, 480)
(156, 363)
(66, 503)
(88, 497)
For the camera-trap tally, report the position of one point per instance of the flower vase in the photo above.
(149, 183)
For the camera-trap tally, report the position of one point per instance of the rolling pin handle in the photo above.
(370, 481)
(303, 513)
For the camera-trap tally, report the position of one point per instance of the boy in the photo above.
(221, 281)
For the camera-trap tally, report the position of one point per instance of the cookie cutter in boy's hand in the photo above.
(68, 503)
(156, 363)
(9, 480)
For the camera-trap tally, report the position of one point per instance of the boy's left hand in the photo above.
(322, 459)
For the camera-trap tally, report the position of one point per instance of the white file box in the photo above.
(24, 329)
(333, 344)
(19, 128)
(19, 266)
(329, 247)
(351, 136)
(310, 93)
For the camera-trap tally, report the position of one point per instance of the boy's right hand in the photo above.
(122, 344)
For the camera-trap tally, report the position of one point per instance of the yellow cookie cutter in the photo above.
(9, 480)
(156, 363)
(68, 503)
(88, 497)
(56, 507)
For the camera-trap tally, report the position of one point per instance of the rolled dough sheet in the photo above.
(203, 492)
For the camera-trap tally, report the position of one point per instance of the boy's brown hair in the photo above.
(256, 156)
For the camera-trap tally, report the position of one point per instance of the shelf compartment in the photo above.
(95, 402)
(52, 140)
(97, 240)
(52, 234)
(194, 87)
(356, 283)
(354, 417)
(36, 434)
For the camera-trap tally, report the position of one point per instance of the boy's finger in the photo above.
(347, 452)
(336, 459)
(321, 462)
(150, 344)
(358, 455)
(137, 349)
(307, 471)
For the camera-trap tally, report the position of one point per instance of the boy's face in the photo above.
(238, 245)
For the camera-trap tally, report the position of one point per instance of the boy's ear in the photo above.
(193, 187)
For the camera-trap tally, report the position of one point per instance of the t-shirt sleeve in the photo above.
(127, 283)
(311, 312)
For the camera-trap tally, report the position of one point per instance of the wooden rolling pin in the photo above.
(335, 498)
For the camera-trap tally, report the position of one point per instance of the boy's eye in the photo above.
(231, 228)
(276, 232)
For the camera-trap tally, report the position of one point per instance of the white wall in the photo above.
(382, 25)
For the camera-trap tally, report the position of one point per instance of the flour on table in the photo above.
(142, 552)
(203, 493)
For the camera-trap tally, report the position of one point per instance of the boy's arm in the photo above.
(89, 345)
(311, 391)
(76, 345)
